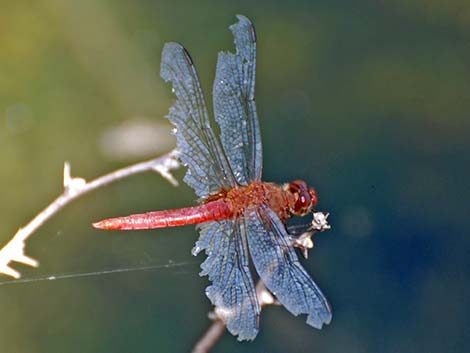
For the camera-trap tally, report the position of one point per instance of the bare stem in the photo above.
(74, 188)
(210, 337)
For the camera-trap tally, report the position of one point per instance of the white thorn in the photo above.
(320, 222)
(72, 185)
(164, 168)
(304, 242)
(14, 251)
(164, 172)
(26, 260)
(6, 270)
(67, 176)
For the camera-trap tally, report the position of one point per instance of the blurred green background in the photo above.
(368, 101)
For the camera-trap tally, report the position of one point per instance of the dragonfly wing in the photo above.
(234, 104)
(232, 290)
(278, 266)
(208, 170)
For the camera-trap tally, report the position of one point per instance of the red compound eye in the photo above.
(305, 197)
(313, 196)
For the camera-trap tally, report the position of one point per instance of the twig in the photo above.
(74, 188)
(210, 338)
(216, 330)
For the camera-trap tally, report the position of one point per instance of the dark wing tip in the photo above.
(171, 53)
(172, 47)
(187, 56)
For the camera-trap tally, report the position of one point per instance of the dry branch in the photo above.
(75, 187)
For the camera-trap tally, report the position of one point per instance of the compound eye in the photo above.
(313, 196)
(296, 186)
(304, 199)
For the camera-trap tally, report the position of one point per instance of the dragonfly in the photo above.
(239, 217)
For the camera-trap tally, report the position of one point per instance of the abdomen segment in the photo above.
(211, 211)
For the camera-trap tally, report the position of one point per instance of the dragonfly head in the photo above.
(304, 197)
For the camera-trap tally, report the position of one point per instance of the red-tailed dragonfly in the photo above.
(239, 216)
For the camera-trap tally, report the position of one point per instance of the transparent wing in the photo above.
(232, 290)
(234, 104)
(208, 170)
(278, 266)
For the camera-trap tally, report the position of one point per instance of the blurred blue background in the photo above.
(368, 101)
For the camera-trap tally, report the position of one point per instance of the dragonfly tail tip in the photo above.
(101, 225)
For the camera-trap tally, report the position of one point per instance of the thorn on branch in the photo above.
(320, 221)
(168, 164)
(14, 251)
(304, 242)
(74, 188)
(72, 185)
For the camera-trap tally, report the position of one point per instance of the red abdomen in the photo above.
(211, 211)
